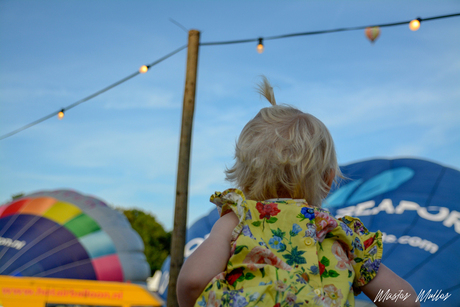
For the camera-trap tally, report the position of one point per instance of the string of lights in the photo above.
(372, 32)
(60, 113)
(330, 31)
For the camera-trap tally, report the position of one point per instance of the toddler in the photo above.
(273, 245)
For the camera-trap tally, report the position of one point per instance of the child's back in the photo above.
(286, 251)
(272, 251)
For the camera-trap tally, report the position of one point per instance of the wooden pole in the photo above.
(180, 213)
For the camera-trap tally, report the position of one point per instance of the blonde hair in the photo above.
(283, 149)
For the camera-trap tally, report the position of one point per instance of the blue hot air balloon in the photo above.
(416, 205)
(64, 234)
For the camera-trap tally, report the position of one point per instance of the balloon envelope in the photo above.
(65, 234)
(416, 205)
(372, 33)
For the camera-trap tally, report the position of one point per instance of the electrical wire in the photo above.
(240, 41)
(323, 31)
(91, 96)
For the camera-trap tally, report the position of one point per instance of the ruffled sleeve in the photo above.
(231, 200)
(366, 251)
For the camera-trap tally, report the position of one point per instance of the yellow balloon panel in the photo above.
(62, 212)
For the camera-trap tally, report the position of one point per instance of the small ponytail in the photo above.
(265, 89)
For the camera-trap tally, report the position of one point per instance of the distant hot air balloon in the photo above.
(372, 33)
(415, 203)
(65, 234)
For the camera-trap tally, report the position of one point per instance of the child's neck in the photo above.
(282, 193)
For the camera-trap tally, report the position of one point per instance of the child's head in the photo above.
(283, 152)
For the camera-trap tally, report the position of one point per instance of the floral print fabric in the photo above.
(285, 253)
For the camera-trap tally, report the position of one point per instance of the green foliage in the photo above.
(157, 242)
(16, 196)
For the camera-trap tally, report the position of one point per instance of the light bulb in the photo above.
(260, 46)
(143, 69)
(61, 114)
(414, 25)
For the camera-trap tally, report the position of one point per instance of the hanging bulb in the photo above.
(260, 46)
(143, 69)
(414, 25)
(61, 114)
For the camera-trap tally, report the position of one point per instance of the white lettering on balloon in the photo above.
(412, 241)
(431, 213)
(12, 243)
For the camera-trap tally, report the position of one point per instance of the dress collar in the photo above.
(285, 199)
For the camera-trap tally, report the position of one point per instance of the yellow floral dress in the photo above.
(285, 253)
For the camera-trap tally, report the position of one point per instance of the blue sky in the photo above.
(398, 97)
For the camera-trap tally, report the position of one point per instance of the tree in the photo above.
(16, 196)
(156, 240)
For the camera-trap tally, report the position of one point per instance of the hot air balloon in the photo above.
(416, 205)
(64, 234)
(372, 33)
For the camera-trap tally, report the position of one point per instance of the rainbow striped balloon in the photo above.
(65, 234)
